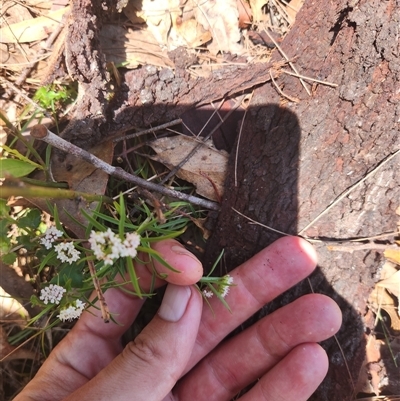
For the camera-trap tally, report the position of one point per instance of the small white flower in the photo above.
(72, 312)
(207, 293)
(50, 236)
(132, 241)
(53, 294)
(66, 252)
(108, 246)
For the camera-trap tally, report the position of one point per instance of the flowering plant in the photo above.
(76, 267)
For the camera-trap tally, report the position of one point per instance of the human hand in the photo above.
(180, 356)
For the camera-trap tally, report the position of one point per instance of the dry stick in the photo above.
(150, 130)
(40, 132)
(357, 247)
(288, 60)
(351, 189)
(292, 99)
(105, 313)
(197, 147)
(310, 79)
(339, 242)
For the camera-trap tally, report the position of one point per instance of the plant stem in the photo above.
(50, 193)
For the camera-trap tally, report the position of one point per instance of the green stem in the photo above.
(29, 146)
(50, 193)
(44, 183)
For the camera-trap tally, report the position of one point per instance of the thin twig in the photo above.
(240, 137)
(216, 110)
(340, 241)
(105, 313)
(292, 99)
(310, 79)
(198, 146)
(288, 60)
(42, 133)
(351, 189)
(260, 224)
(149, 131)
(360, 247)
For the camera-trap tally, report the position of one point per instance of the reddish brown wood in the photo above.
(295, 160)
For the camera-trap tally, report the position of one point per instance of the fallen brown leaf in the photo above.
(33, 29)
(206, 169)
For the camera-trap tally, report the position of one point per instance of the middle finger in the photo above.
(244, 358)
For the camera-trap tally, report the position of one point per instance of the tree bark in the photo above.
(295, 160)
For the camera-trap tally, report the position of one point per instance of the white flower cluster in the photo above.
(225, 285)
(66, 252)
(51, 235)
(72, 312)
(222, 286)
(53, 294)
(108, 246)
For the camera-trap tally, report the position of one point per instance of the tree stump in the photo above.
(294, 160)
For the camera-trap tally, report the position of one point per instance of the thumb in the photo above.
(149, 367)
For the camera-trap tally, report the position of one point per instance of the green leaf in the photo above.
(121, 224)
(4, 245)
(21, 157)
(92, 222)
(9, 258)
(133, 277)
(154, 254)
(31, 220)
(4, 209)
(4, 228)
(49, 259)
(15, 168)
(70, 273)
(26, 242)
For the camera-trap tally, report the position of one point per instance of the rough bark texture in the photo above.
(154, 96)
(294, 161)
(86, 64)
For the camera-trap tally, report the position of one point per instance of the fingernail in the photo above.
(180, 250)
(174, 303)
